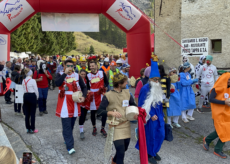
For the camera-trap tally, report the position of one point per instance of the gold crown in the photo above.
(155, 58)
(118, 77)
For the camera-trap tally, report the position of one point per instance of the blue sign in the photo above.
(2, 41)
(128, 10)
(10, 7)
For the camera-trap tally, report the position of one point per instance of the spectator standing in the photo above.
(52, 67)
(41, 76)
(33, 65)
(6, 72)
(13, 64)
(20, 63)
(15, 77)
(30, 101)
(61, 65)
(26, 65)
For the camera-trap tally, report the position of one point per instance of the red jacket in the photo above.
(44, 83)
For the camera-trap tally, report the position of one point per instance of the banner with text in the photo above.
(196, 46)
(70, 22)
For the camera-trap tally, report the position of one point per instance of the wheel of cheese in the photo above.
(131, 111)
(76, 96)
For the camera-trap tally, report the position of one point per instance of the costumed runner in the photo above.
(69, 82)
(97, 83)
(220, 105)
(150, 99)
(198, 85)
(114, 104)
(174, 109)
(209, 75)
(110, 74)
(188, 102)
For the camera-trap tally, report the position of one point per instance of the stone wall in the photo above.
(168, 19)
(208, 18)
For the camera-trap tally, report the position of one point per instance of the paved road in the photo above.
(49, 147)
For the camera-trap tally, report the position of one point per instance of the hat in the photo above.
(63, 58)
(82, 59)
(119, 61)
(113, 63)
(54, 57)
(172, 69)
(154, 70)
(126, 65)
(32, 55)
(209, 57)
(74, 59)
(106, 60)
(147, 71)
(186, 65)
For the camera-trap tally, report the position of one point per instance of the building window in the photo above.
(216, 46)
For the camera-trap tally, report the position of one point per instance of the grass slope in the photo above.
(84, 42)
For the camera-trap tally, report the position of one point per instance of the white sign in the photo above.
(70, 22)
(124, 13)
(3, 47)
(195, 46)
(13, 12)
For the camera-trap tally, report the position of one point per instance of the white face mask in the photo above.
(43, 66)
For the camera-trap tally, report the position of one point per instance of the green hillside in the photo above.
(84, 42)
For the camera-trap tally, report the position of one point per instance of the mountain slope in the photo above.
(84, 42)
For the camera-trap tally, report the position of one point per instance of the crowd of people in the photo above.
(105, 82)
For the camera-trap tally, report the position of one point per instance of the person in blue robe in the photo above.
(150, 99)
(188, 102)
(174, 109)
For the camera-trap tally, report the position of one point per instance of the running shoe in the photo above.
(103, 132)
(157, 157)
(176, 125)
(72, 151)
(185, 120)
(94, 132)
(190, 118)
(45, 112)
(200, 110)
(220, 154)
(205, 145)
(82, 136)
(152, 160)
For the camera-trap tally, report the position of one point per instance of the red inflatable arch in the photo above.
(13, 13)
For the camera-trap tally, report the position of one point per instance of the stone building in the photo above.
(184, 19)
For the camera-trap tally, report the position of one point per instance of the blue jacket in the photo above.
(174, 102)
(154, 130)
(186, 92)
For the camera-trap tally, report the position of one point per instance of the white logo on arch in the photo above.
(124, 13)
(13, 12)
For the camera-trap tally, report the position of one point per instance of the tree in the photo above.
(91, 50)
(30, 37)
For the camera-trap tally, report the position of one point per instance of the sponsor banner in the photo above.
(70, 22)
(3, 47)
(196, 46)
(124, 13)
(13, 12)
